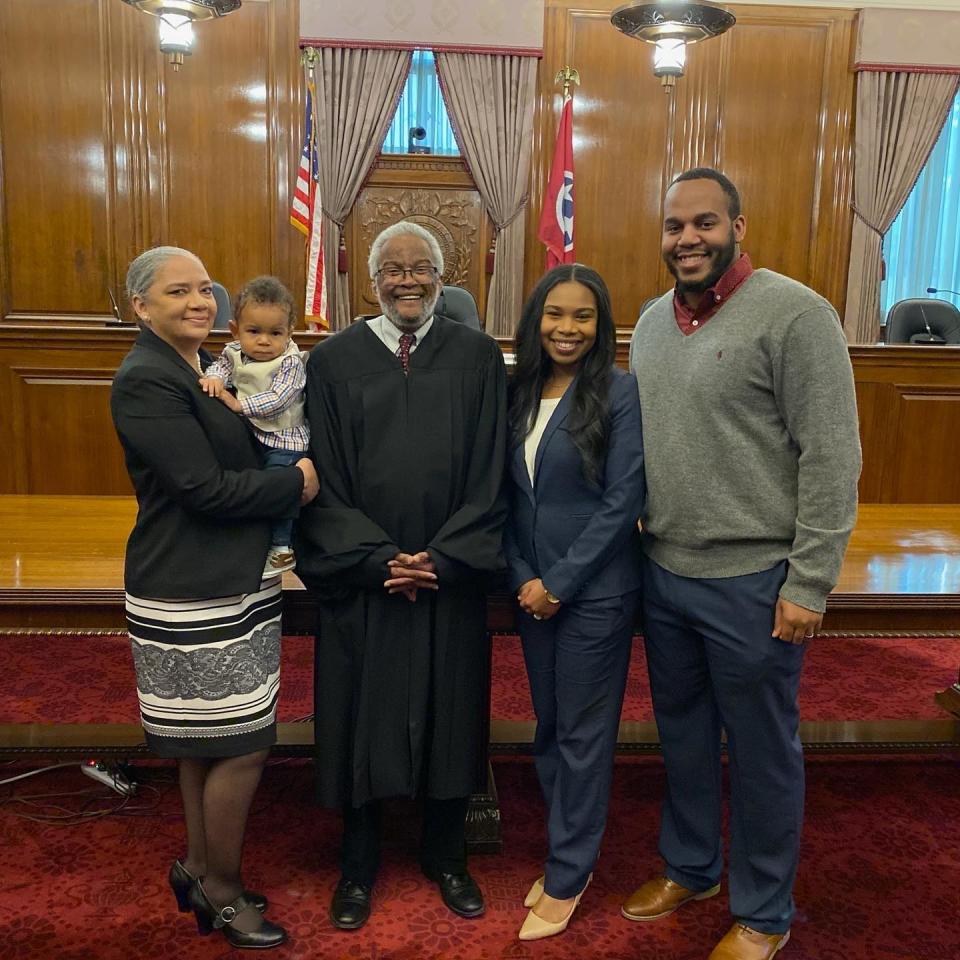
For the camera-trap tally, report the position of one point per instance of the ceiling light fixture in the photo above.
(670, 26)
(176, 21)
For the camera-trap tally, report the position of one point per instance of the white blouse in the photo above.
(536, 433)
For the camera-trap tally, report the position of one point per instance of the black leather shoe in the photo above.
(181, 880)
(350, 906)
(460, 893)
(210, 918)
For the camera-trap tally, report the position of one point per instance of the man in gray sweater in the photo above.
(753, 455)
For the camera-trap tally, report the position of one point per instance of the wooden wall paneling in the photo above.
(770, 102)
(926, 469)
(66, 416)
(907, 400)
(55, 384)
(878, 428)
(105, 150)
(830, 250)
(56, 159)
(129, 111)
(784, 92)
(698, 104)
(439, 194)
(216, 130)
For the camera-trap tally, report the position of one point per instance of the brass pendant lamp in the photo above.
(176, 21)
(670, 26)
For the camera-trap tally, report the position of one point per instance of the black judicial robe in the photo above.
(406, 463)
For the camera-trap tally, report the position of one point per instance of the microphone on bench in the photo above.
(929, 336)
(117, 320)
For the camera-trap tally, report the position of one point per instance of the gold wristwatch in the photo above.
(550, 597)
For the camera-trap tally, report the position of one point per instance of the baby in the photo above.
(265, 367)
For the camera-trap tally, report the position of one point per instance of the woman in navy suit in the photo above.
(577, 490)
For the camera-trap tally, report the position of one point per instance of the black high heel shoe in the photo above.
(210, 918)
(181, 880)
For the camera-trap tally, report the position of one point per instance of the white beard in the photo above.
(410, 324)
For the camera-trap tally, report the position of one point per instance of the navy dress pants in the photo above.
(714, 666)
(577, 663)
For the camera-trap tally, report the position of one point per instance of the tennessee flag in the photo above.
(556, 219)
(306, 214)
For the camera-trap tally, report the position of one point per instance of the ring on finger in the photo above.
(537, 616)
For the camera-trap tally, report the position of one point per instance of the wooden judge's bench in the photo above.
(58, 439)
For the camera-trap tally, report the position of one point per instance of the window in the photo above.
(421, 105)
(922, 247)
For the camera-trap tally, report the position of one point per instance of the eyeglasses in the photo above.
(394, 273)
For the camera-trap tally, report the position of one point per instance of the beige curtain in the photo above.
(490, 101)
(357, 94)
(899, 117)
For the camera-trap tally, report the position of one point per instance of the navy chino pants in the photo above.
(714, 666)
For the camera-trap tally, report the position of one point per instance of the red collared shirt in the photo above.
(690, 320)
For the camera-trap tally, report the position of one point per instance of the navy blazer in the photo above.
(580, 538)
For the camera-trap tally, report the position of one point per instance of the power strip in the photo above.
(110, 775)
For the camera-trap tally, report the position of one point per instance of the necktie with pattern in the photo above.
(407, 340)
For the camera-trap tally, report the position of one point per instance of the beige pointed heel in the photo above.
(535, 893)
(536, 928)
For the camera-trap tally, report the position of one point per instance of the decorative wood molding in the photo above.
(435, 192)
(388, 166)
(78, 740)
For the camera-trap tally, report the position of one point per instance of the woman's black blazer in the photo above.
(205, 503)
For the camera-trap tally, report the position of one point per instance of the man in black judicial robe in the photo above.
(399, 547)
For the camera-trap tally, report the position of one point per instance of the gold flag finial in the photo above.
(309, 58)
(569, 77)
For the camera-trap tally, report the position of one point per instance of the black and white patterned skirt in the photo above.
(208, 672)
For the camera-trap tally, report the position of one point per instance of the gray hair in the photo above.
(143, 269)
(402, 229)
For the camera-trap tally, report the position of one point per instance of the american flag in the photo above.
(306, 214)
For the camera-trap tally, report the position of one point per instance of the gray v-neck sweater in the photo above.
(751, 437)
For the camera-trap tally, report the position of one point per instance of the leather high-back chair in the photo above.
(458, 304)
(646, 304)
(224, 308)
(923, 321)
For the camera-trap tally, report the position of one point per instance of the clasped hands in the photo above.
(532, 597)
(410, 573)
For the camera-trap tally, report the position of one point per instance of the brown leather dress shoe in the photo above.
(742, 943)
(660, 897)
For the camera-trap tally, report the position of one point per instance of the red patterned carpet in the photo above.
(879, 877)
(844, 678)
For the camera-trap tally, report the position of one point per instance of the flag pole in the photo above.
(555, 230)
(308, 214)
